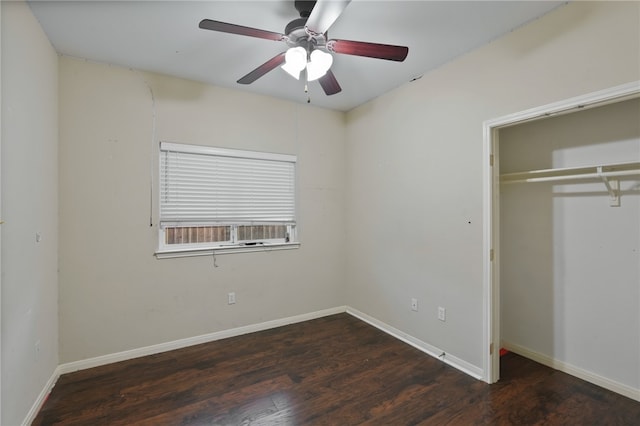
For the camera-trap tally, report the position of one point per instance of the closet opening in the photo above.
(561, 231)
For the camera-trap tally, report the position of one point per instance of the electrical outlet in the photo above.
(442, 313)
(414, 304)
(231, 298)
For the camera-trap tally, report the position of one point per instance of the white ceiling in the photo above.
(163, 37)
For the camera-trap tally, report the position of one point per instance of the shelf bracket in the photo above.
(613, 187)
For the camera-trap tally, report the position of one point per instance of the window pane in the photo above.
(261, 232)
(197, 234)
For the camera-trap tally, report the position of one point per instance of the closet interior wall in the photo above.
(570, 263)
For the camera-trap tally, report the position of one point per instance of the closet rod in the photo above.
(505, 179)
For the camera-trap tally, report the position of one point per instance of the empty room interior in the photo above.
(464, 183)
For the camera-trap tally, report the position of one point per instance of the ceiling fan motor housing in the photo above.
(295, 30)
(296, 35)
(294, 26)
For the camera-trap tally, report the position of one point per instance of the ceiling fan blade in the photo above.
(324, 14)
(370, 50)
(208, 24)
(330, 84)
(263, 69)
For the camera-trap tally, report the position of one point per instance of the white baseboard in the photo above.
(69, 367)
(163, 347)
(196, 340)
(46, 390)
(435, 352)
(578, 372)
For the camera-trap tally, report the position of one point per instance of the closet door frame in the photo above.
(491, 205)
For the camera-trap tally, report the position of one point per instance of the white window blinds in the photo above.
(205, 185)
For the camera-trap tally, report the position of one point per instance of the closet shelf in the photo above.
(609, 174)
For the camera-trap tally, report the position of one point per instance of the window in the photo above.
(219, 199)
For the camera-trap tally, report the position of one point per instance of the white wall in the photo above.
(413, 173)
(414, 165)
(114, 294)
(570, 263)
(29, 206)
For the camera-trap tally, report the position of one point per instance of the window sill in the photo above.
(169, 254)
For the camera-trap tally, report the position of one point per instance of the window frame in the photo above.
(233, 245)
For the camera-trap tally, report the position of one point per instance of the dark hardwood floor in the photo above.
(335, 370)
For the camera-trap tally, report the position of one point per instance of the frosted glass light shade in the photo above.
(295, 61)
(319, 64)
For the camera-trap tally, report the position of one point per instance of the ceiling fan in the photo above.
(309, 46)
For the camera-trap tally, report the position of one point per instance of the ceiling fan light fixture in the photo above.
(295, 61)
(319, 64)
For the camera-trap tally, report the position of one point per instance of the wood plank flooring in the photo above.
(335, 370)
